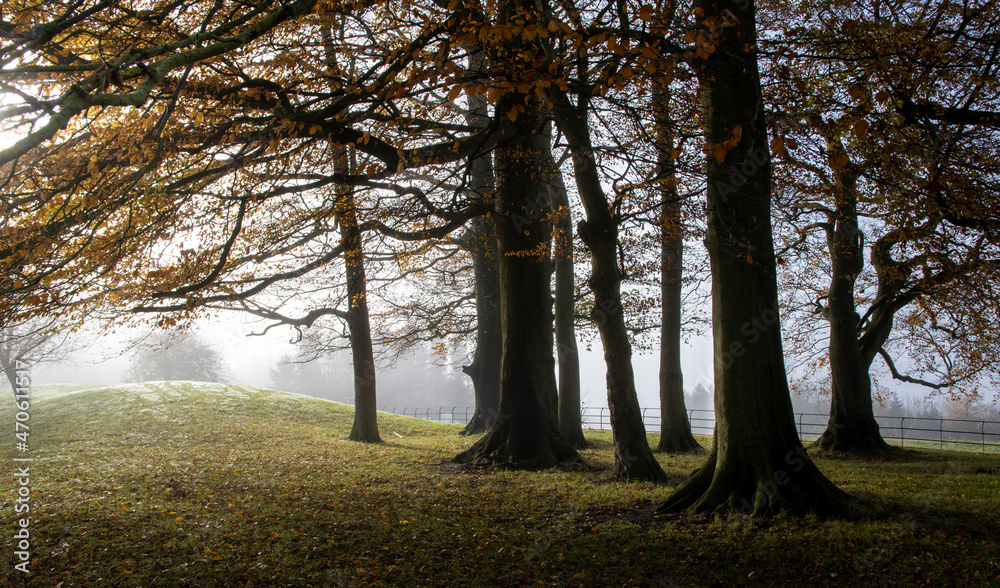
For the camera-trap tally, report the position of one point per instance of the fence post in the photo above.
(941, 432)
(982, 432)
(902, 432)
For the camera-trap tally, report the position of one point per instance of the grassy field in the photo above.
(180, 484)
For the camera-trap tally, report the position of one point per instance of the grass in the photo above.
(180, 484)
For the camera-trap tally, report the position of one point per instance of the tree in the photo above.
(757, 463)
(570, 415)
(31, 342)
(173, 356)
(526, 433)
(841, 100)
(480, 242)
(675, 427)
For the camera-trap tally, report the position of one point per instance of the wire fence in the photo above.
(906, 431)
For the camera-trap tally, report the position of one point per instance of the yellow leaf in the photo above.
(512, 114)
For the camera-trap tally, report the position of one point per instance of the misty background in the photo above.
(229, 351)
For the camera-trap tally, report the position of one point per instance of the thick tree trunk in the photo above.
(570, 417)
(480, 241)
(757, 464)
(675, 427)
(365, 427)
(852, 427)
(633, 458)
(526, 432)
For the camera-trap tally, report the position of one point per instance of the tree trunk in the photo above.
(480, 241)
(633, 458)
(570, 418)
(485, 367)
(675, 427)
(526, 432)
(757, 464)
(365, 427)
(852, 427)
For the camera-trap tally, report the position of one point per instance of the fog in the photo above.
(411, 381)
(416, 380)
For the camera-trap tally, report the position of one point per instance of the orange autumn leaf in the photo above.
(839, 161)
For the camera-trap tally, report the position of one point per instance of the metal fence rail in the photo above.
(917, 431)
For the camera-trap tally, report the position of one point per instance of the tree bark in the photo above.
(365, 427)
(675, 427)
(633, 458)
(526, 432)
(480, 241)
(485, 368)
(757, 464)
(570, 417)
(852, 427)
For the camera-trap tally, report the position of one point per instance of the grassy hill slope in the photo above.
(191, 484)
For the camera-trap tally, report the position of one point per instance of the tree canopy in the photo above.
(311, 161)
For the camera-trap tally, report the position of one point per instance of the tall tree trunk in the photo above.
(480, 241)
(485, 367)
(675, 427)
(526, 432)
(757, 464)
(633, 458)
(570, 417)
(365, 427)
(852, 426)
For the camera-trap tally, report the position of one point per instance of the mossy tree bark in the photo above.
(757, 464)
